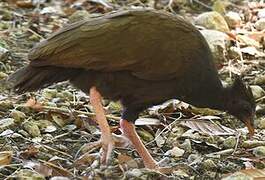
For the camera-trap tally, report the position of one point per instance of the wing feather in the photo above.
(150, 44)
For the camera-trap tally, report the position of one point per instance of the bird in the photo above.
(140, 57)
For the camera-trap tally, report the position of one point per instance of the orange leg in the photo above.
(106, 140)
(130, 132)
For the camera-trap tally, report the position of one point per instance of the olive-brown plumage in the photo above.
(140, 57)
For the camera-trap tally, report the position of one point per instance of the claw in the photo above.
(107, 144)
(106, 151)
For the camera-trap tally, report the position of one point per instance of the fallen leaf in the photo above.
(208, 127)
(38, 167)
(25, 4)
(252, 51)
(253, 174)
(127, 160)
(31, 151)
(147, 121)
(32, 103)
(5, 157)
(86, 159)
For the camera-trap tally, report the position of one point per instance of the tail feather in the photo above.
(31, 78)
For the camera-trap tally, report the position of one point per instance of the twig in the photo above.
(224, 152)
(202, 4)
(57, 167)
(166, 128)
(11, 175)
(9, 165)
(35, 33)
(237, 142)
(48, 147)
(89, 114)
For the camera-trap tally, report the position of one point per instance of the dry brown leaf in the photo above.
(31, 151)
(247, 41)
(127, 161)
(5, 157)
(25, 4)
(253, 174)
(208, 127)
(86, 159)
(57, 170)
(257, 36)
(123, 158)
(32, 103)
(39, 167)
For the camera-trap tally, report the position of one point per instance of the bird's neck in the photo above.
(212, 96)
(219, 99)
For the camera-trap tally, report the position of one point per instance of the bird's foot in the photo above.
(107, 144)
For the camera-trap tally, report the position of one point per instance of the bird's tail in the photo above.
(31, 78)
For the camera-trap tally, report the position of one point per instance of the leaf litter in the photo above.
(193, 142)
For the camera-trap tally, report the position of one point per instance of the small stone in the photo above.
(186, 145)
(17, 115)
(260, 24)
(50, 104)
(32, 128)
(49, 93)
(24, 133)
(115, 106)
(175, 152)
(252, 143)
(3, 75)
(145, 135)
(229, 142)
(70, 127)
(212, 20)
(135, 173)
(233, 19)
(68, 95)
(3, 53)
(28, 174)
(238, 176)
(234, 52)
(209, 164)
(193, 157)
(220, 6)
(6, 15)
(261, 124)
(247, 41)
(34, 37)
(181, 174)
(42, 124)
(6, 123)
(260, 79)
(218, 43)
(257, 91)
(261, 13)
(57, 118)
(6, 105)
(259, 151)
(78, 16)
(46, 126)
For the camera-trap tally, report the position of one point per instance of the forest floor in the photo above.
(42, 134)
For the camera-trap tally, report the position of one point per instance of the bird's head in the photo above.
(241, 104)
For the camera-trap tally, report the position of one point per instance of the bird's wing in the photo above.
(151, 45)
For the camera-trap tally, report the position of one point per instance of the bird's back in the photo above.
(151, 45)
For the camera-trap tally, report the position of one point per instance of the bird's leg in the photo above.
(106, 137)
(130, 132)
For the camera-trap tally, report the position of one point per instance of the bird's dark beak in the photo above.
(249, 123)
